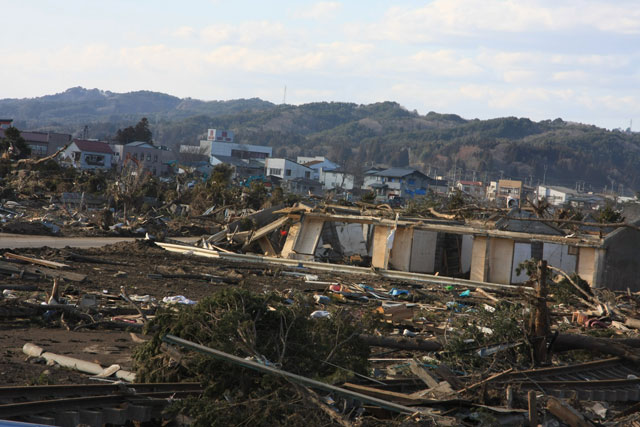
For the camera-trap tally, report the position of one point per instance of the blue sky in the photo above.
(574, 59)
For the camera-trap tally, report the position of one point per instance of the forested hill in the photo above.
(356, 135)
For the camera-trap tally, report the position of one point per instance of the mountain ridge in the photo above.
(356, 135)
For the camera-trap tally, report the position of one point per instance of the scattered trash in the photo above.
(178, 299)
(322, 299)
(320, 314)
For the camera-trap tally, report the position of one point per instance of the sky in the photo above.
(574, 59)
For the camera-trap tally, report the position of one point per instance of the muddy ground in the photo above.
(138, 266)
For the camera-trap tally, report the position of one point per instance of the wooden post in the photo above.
(533, 409)
(541, 321)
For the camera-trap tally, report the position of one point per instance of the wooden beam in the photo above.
(566, 413)
(533, 409)
(43, 262)
(269, 228)
(266, 246)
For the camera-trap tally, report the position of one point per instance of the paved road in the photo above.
(11, 241)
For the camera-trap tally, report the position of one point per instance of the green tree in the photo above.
(13, 145)
(140, 132)
(608, 215)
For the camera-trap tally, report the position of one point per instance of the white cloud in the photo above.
(519, 76)
(572, 76)
(184, 32)
(320, 10)
(444, 63)
(470, 18)
(245, 33)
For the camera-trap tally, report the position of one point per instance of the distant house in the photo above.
(336, 178)
(397, 182)
(6, 123)
(220, 143)
(317, 163)
(472, 188)
(242, 168)
(42, 144)
(509, 192)
(303, 186)
(152, 159)
(88, 154)
(286, 169)
(556, 195)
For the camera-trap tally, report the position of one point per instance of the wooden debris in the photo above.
(123, 294)
(533, 409)
(43, 262)
(566, 413)
(446, 373)
(41, 272)
(486, 380)
(422, 373)
(540, 328)
(401, 343)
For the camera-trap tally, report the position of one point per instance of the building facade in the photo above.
(88, 154)
(286, 169)
(148, 157)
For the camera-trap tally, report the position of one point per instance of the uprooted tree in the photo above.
(264, 327)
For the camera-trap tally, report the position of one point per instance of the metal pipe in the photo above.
(172, 339)
(73, 363)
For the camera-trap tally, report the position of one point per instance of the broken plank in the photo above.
(266, 247)
(269, 228)
(448, 375)
(486, 380)
(566, 413)
(43, 262)
(422, 373)
(486, 295)
(42, 272)
(84, 258)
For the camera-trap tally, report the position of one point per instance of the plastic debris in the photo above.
(397, 292)
(320, 314)
(178, 299)
(321, 299)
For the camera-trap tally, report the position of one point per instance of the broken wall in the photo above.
(619, 268)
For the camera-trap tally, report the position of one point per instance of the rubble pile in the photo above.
(383, 350)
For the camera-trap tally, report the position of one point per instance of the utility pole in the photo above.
(544, 177)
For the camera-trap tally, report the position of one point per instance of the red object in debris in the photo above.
(335, 288)
(595, 323)
(283, 232)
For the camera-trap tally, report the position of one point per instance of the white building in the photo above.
(151, 158)
(317, 163)
(336, 178)
(219, 143)
(88, 154)
(286, 169)
(556, 195)
(472, 188)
